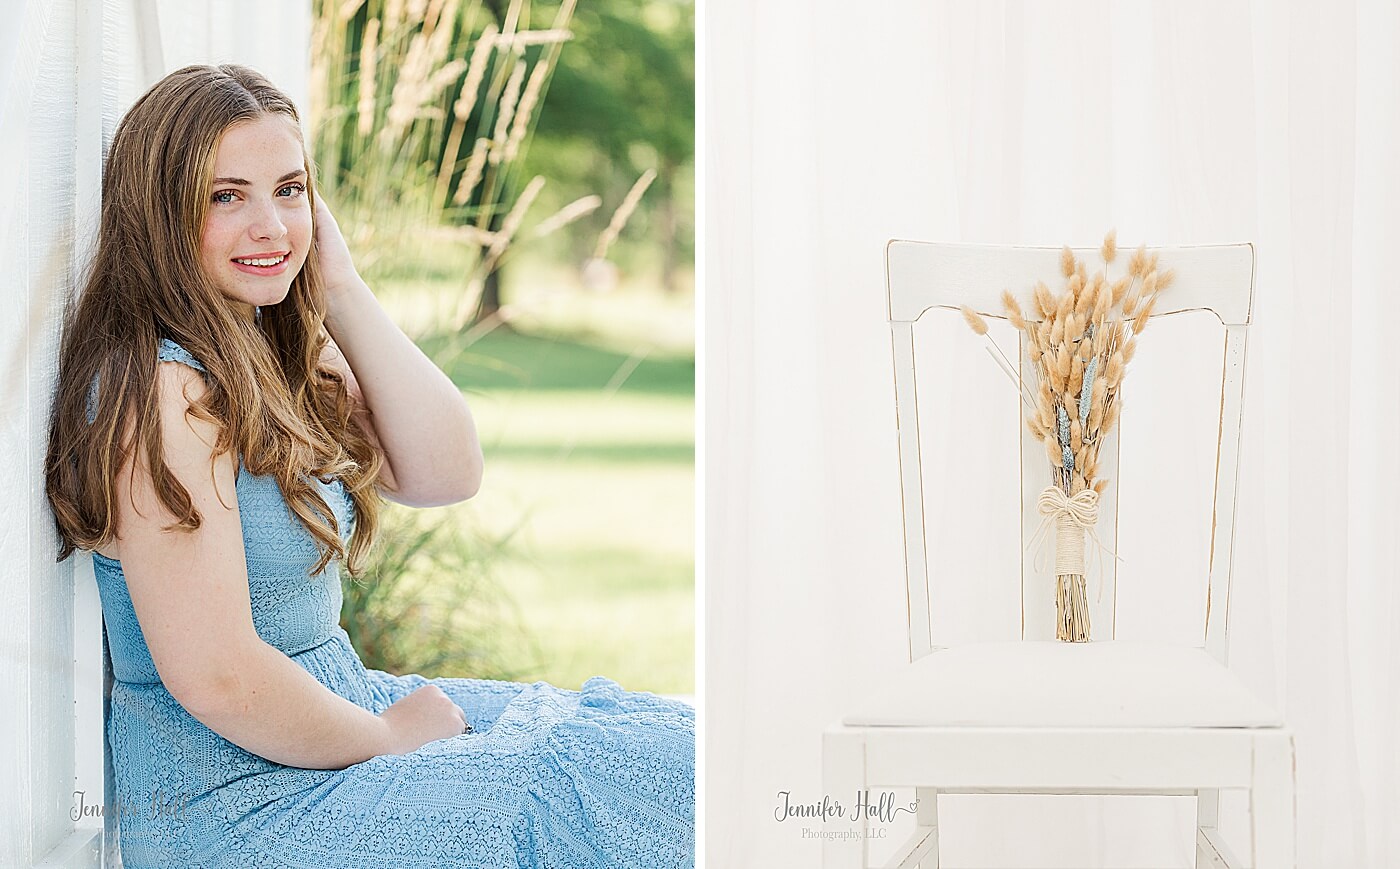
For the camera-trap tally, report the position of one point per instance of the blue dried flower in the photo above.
(1086, 391)
(1066, 452)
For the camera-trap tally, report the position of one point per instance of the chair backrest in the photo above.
(923, 276)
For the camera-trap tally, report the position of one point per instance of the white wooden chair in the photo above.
(1109, 717)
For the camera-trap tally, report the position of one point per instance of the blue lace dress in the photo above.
(549, 777)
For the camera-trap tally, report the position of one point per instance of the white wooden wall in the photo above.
(68, 70)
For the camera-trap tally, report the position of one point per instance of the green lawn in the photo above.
(586, 411)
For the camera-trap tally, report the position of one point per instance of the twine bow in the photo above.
(1079, 513)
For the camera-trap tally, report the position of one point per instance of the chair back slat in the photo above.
(1038, 573)
(922, 276)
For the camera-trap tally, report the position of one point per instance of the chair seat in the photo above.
(1053, 684)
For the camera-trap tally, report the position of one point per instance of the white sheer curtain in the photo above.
(828, 129)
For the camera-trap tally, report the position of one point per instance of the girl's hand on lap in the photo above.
(423, 716)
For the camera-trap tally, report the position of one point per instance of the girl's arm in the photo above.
(190, 593)
(412, 410)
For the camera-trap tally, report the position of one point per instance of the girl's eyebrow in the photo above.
(243, 182)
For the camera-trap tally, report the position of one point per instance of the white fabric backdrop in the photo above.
(828, 129)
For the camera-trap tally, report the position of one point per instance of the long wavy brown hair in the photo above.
(287, 414)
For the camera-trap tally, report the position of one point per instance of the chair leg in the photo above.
(1273, 811)
(843, 775)
(1208, 808)
(927, 814)
(1207, 822)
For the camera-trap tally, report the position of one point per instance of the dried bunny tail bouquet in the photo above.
(1080, 341)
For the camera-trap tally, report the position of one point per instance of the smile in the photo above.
(263, 265)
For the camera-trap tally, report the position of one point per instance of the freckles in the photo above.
(208, 241)
(213, 232)
(301, 225)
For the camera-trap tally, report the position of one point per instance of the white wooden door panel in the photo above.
(68, 70)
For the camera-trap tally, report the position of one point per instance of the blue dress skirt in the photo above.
(548, 777)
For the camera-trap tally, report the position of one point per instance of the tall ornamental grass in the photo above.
(420, 113)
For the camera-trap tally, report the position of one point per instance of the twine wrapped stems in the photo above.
(1072, 518)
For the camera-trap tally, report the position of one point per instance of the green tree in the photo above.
(622, 101)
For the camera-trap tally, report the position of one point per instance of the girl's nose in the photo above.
(267, 224)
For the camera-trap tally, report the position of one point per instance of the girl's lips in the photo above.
(266, 271)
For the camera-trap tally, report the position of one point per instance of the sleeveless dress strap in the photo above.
(169, 351)
(166, 351)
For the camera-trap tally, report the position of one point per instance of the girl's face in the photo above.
(258, 229)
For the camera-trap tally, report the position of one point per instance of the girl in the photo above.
(232, 403)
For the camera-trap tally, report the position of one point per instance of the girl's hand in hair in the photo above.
(337, 267)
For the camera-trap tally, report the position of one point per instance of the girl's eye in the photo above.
(224, 197)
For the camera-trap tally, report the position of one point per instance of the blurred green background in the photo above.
(574, 344)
